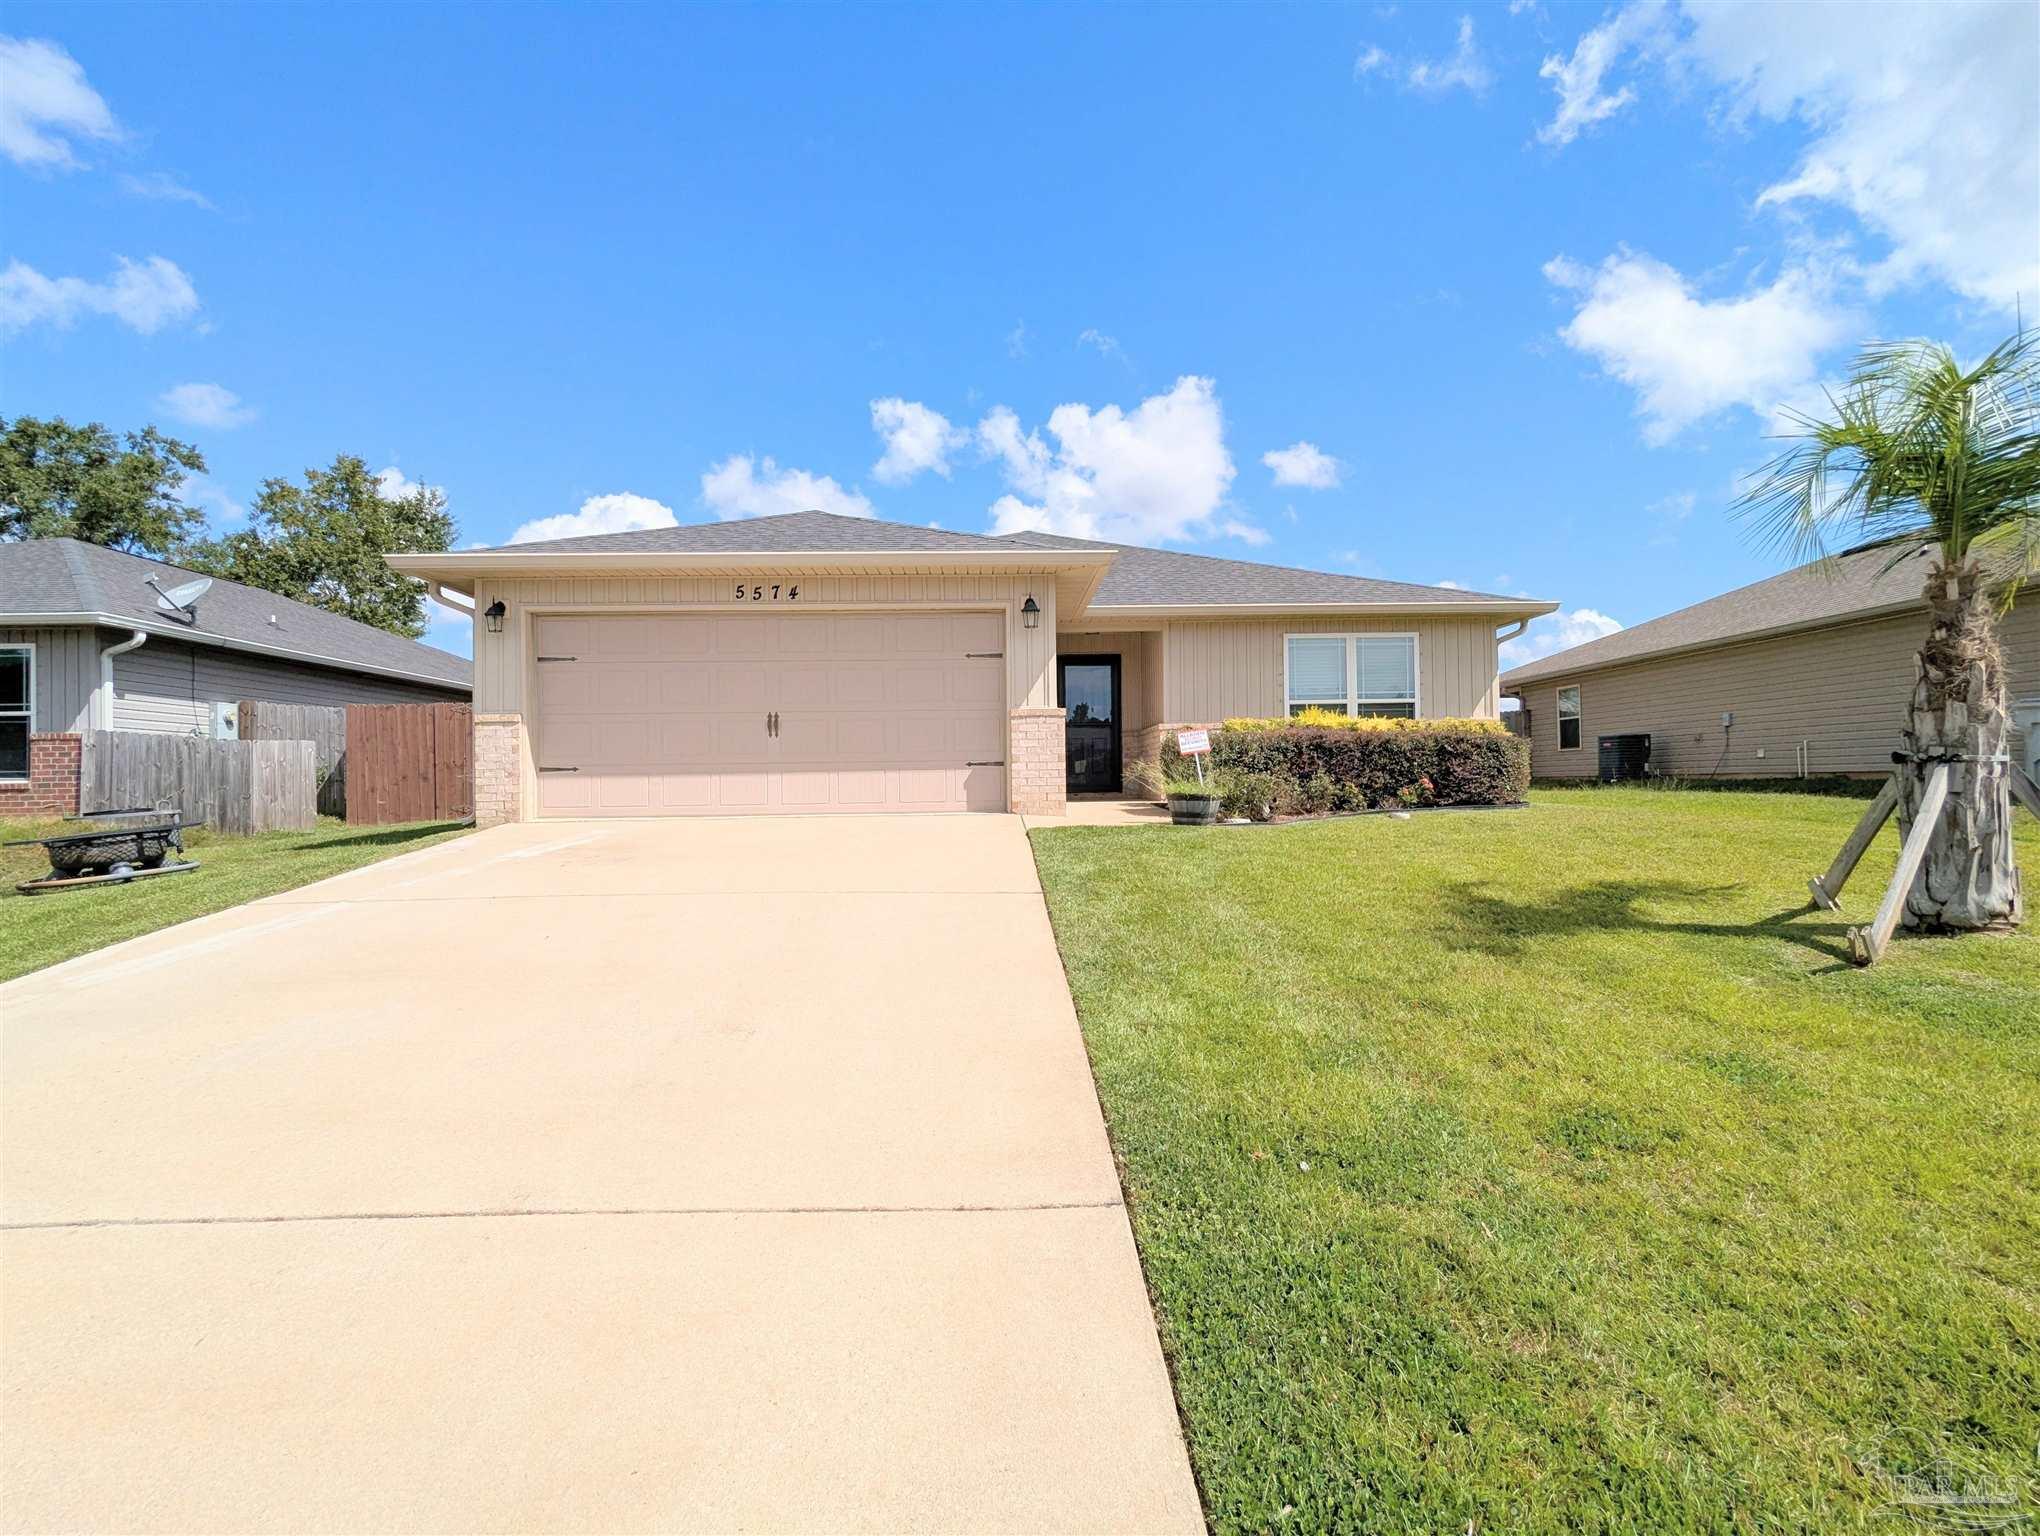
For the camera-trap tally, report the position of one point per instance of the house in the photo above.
(813, 662)
(1804, 674)
(87, 642)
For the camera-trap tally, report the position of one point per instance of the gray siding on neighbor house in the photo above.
(1842, 689)
(169, 686)
(66, 666)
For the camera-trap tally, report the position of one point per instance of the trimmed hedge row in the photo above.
(1304, 771)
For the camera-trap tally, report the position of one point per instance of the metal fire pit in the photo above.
(125, 846)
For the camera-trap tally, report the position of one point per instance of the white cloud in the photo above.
(207, 495)
(1923, 120)
(1157, 473)
(916, 439)
(1667, 514)
(162, 187)
(1305, 465)
(1689, 357)
(1926, 126)
(742, 486)
(143, 295)
(45, 103)
(394, 486)
(1453, 586)
(1016, 339)
(618, 512)
(1464, 69)
(206, 405)
(1559, 631)
(1108, 346)
(1582, 102)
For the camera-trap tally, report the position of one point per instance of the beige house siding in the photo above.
(1226, 668)
(66, 670)
(1841, 689)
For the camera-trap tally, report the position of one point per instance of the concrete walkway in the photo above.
(713, 1175)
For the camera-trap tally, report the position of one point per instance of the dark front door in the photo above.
(1089, 689)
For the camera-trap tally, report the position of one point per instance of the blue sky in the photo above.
(1509, 293)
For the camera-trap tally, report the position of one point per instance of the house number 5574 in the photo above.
(768, 593)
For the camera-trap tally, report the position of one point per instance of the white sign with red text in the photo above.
(1193, 743)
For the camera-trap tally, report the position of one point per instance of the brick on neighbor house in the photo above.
(51, 788)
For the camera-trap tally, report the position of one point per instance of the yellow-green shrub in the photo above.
(1332, 720)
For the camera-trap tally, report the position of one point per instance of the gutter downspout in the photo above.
(102, 696)
(1512, 631)
(450, 599)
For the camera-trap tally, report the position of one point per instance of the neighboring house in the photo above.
(812, 662)
(85, 644)
(1808, 673)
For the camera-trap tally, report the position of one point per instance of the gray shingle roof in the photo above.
(67, 576)
(1137, 576)
(1810, 594)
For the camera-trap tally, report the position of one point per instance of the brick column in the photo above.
(51, 788)
(499, 769)
(1035, 773)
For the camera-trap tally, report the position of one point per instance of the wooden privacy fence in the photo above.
(235, 786)
(410, 762)
(323, 725)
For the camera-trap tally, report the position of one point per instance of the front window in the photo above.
(1569, 717)
(17, 703)
(1351, 674)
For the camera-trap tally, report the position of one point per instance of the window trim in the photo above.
(1351, 638)
(27, 648)
(1579, 714)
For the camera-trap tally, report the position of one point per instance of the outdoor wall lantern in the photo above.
(1030, 614)
(494, 614)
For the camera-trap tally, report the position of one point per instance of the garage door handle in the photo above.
(559, 658)
(982, 655)
(990, 762)
(559, 770)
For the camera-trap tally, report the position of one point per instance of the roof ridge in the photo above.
(82, 581)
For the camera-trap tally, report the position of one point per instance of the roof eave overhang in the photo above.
(227, 642)
(1543, 674)
(1500, 611)
(459, 568)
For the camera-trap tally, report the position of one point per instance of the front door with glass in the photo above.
(1089, 689)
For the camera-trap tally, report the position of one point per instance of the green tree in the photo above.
(62, 481)
(1927, 458)
(323, 542)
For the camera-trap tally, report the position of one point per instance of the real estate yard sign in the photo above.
(1194, 745)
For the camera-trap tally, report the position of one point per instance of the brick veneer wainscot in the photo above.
(51, 788)
(1036, 777)
(499, 768)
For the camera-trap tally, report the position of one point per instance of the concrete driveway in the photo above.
(717, 1175)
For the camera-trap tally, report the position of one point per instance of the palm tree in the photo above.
(1924, 457)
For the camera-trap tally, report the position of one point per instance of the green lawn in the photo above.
(1551, 1169)
(36, 931)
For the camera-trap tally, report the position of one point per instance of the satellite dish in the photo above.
(182, 598)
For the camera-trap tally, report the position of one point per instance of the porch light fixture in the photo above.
(1030, 614)
(494, 614)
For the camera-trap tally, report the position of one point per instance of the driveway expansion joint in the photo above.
(503, 1214)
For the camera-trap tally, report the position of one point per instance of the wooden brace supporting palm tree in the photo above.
(1926, 459)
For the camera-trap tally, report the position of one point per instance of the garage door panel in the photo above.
(741, 686)
(668, 715)
(684, 688)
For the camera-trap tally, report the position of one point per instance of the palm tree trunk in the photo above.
(1958, 714)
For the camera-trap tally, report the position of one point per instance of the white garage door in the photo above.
(722, 714)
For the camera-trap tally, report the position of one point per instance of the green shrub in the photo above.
(1309, 770)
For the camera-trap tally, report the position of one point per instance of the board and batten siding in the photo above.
(66, 667)
(504, 662)
(171, 687)
(1841, 689)
(1219, 669)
